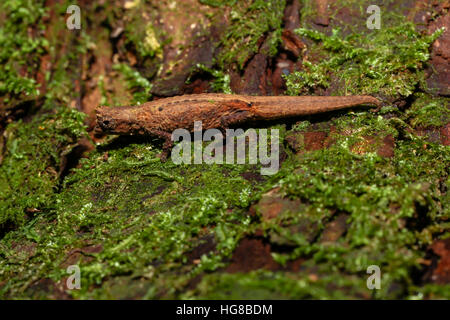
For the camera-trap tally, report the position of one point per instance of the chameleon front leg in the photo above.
(235, 118)
(167, 145)
(166, 148)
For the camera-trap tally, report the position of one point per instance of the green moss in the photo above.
(19, 57)
(250, 21)
(31, 164)
(261, 285)
(136, 83)
(432, 291)
(218, 3)
(149, 216)
(220, 82)
(386, 62)
(428, 112)
(146, 215)
(66, 47)
(395, 205)
(143, 36)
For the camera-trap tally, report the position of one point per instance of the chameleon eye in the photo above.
(106, 123)
(160, 109)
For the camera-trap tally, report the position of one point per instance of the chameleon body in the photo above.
(161, 117)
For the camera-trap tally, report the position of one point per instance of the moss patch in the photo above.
(387, 62)
(19, 57)
(250, 21)
(30, 170)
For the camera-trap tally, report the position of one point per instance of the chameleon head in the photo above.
(114, 120)
(104, 121)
